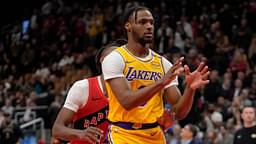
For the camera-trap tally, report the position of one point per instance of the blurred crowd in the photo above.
(42, 55)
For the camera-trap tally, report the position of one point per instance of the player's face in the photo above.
(248, 114)
(143, 27)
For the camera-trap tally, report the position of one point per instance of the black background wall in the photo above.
(13, 10)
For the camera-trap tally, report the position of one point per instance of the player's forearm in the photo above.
(132, 99)
(184, 104)
(65, 133)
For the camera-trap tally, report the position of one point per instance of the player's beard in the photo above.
(141, 39)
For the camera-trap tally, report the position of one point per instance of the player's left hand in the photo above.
(167, 120)
(197, 78)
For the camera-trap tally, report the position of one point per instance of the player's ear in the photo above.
(128, 26)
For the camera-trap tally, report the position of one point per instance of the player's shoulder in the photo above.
(115, 54)
(121, 49)
(80, 84)
(155, 54)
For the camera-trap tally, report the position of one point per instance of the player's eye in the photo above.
(142, 22)
(152, 22)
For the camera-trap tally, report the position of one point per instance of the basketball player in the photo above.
(137, 78)
(86, 108)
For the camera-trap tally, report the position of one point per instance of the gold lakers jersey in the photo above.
(139, 74)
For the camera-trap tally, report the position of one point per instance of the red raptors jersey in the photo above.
(94, 113)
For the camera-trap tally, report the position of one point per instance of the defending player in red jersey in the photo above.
(86, 108)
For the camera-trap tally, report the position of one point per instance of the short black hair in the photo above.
(128, 13)
(117, 43)
(193, 129)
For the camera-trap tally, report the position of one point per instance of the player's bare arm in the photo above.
(194, 80)
(130, 99)
(62, 131)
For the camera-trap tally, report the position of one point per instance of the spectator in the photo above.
(247, 134)
(10, 132)
(164, 33)
(8, 108)
(188, 135)
(226, 90)
(173, 134)
(179, 37)
(211, 138)
(238, 85)
(1, 118)
(238, 62)
(213, 90)
(252, 50)
(244, 34)
(226, 135)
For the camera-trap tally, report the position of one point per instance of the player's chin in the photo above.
(148, 39)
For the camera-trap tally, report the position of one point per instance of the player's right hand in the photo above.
(91, 135)
(175, 70)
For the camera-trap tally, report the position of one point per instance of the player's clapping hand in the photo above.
(175, 70)
(91, 135)
(197, 78)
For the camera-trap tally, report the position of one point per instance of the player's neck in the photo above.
(138, 49)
